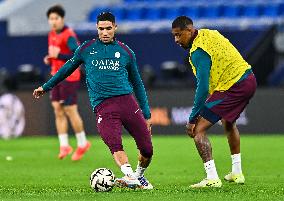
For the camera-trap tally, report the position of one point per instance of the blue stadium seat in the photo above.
(119, 13)
(134, 13)
(94, 13)
(170, 13)
(270, 10)
(137, 1)
(230, 11)
(210, 11)
(250, 10)
(130, 1)
(153, 13)
(281, 9)
(192, 12)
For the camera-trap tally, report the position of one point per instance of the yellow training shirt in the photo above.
(228, 65)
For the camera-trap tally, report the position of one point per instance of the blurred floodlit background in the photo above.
(255, 27)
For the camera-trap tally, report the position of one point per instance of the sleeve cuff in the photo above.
(147, 116)
(146, 113)
(192, 120)
(45, 88)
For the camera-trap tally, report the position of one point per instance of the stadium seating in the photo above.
(230, 11)
(153, 13)
(169, 13)
(137, 10)
(252, 10)
(270, 10)
(210, 11)
(134, 14)
(193, 12)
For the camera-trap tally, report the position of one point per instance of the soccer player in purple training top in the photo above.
(225, 84)
(112, 76)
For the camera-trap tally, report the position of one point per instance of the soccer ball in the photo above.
(102, 179)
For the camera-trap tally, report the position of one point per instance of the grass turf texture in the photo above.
(35, 173)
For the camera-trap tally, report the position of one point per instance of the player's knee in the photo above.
(198, 134)
(71, 111)
(195, 133)
(68, 111)
(228, 126)
(147, 152)
(59, 112)
(115, 148)
(199, 131)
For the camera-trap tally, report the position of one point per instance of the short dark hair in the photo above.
(106, 16)
(182, 22)
(58, 9)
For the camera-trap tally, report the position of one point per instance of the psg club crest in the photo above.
(117, 55)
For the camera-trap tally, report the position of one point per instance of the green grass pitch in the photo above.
(35, 173)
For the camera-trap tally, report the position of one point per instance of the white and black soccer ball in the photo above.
(102, 179)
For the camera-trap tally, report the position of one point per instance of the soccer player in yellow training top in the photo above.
(225, 84)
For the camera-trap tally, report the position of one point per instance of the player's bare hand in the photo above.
(46, 60)
(189, 129)
(38, 92)
(53, 51)
(149, 125)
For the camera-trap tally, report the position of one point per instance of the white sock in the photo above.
(211, 170)
(81, 139)
(236, 164)
(139, 172)
(127, 170)
(63, 140)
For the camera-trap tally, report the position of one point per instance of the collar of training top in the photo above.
(114, 40)
(61, 30)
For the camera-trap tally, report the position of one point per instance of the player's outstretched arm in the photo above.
(67, 69)
(38, 92)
